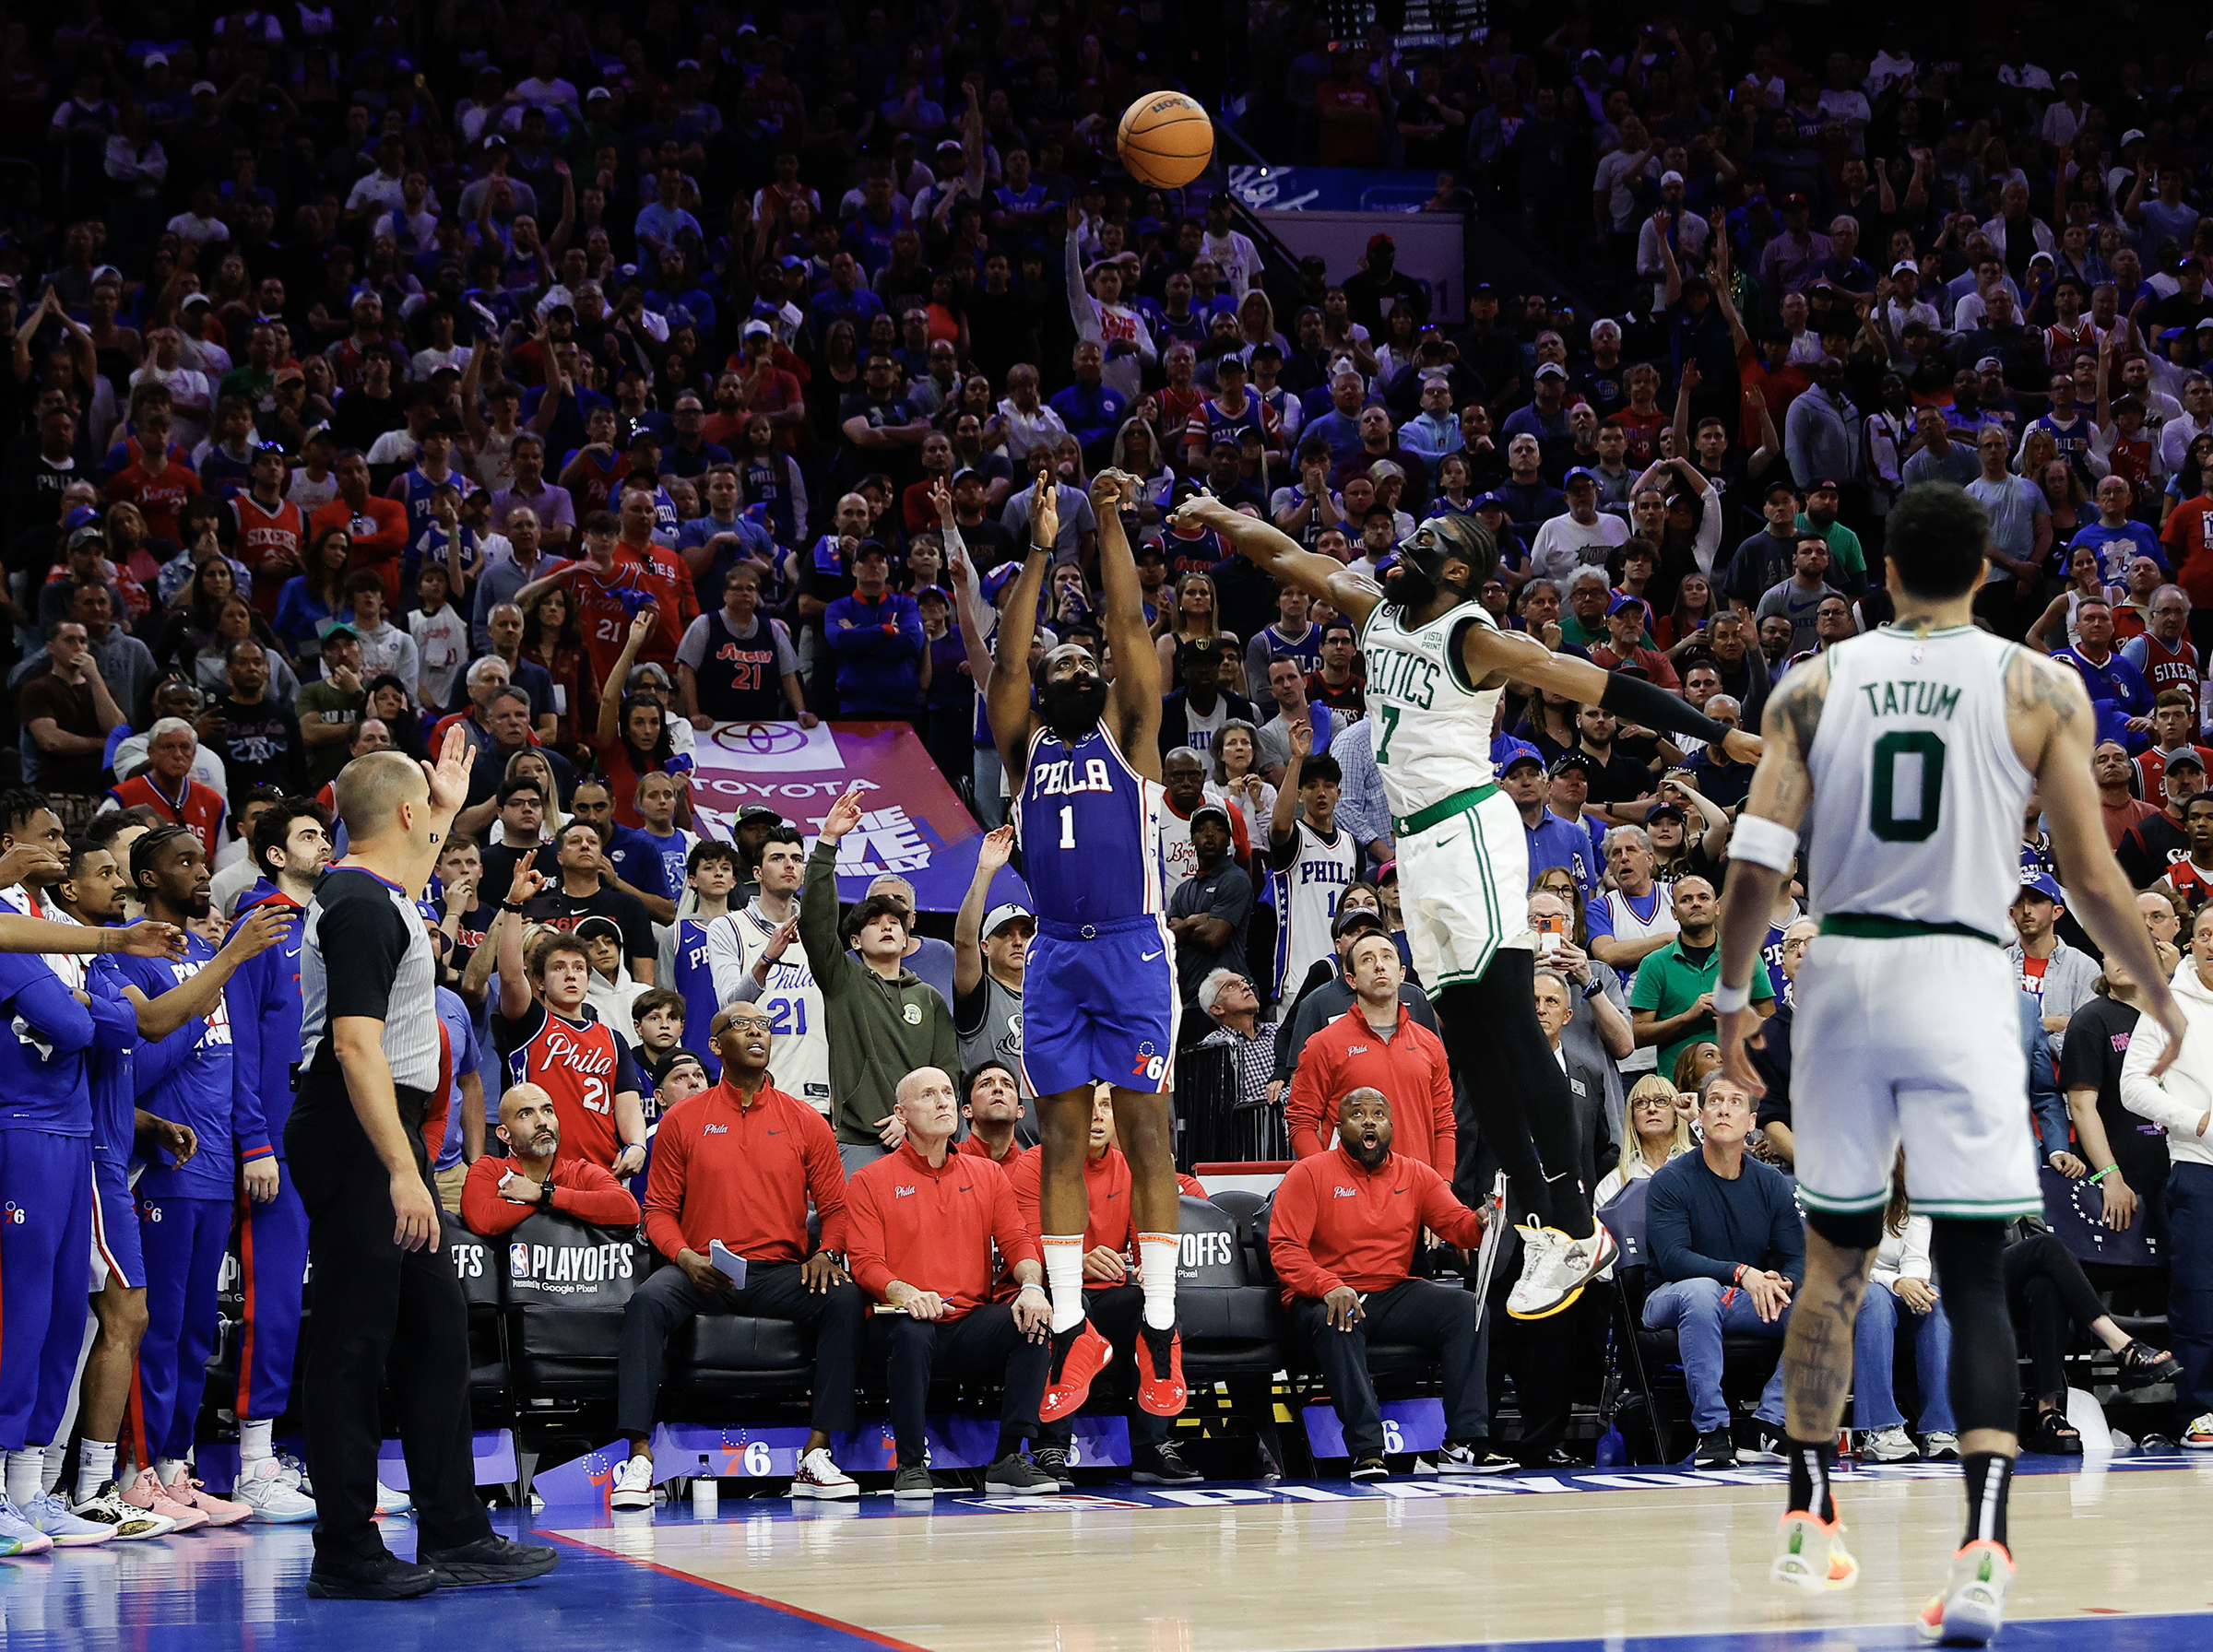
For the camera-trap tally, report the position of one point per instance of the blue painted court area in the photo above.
(243, 1587)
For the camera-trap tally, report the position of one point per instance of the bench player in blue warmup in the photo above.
(1099, 996)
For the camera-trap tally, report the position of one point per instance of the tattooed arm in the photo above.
(2049, 715)
(1781, 789)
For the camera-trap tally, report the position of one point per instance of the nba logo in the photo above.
(518, 1260)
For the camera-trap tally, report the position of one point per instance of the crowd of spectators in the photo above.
(581, 388)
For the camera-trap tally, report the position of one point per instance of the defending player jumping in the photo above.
(1915, 748)
(1100, 1000)
(1436, 662)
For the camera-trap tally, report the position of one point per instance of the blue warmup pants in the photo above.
(45, 1272)
(185, 1240)
(272, 1260)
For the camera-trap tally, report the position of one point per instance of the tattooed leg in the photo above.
(1816, 1348)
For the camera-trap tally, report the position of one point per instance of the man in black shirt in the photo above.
(1208, 912)
(1767, 557)
(2127, 1153)
(1615, 777)
(582, 893)
(988, 540)
(355, 1144)
(258, 737)
(2152, 844)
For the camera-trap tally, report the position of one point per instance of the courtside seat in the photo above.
(1231, 1322)
(565, 1286)
(479, 1265)
(1384, 1359)
(718, 1358)
(1746, 1363)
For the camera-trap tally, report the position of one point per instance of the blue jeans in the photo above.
(1703, 1312)
(1874, 1346)
(2190, 1286)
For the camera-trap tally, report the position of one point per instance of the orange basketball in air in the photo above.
(1166, 139)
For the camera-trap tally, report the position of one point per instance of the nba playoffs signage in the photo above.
(911, 821)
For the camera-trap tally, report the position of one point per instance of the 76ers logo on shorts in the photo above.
(13, 1214)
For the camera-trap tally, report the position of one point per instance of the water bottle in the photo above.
(706, 1492)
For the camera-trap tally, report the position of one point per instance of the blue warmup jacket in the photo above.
(185, 1078)
(265, 1003)
(41, 1061)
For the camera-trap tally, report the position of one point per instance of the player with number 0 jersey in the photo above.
(1100, 1001)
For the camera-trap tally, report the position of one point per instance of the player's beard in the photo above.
(1407, 586)
(1073, 706)
(199, 905)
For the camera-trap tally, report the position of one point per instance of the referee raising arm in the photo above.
(356, 1147)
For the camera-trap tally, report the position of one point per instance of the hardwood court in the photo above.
(1280, 1574)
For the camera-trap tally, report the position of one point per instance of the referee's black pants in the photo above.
(1414, 1310)
(773, 1291)
(378, 1311)
(984, 1342)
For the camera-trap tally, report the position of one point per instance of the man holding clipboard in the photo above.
(734, 1168)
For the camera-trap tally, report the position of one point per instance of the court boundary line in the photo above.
(874, 1637)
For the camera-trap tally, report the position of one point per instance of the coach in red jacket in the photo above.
(922, 1223)
(739, 1164)
(1341, 1233)
(1376, 1044)
(500, 1193)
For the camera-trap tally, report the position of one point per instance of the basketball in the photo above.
(1166, 139)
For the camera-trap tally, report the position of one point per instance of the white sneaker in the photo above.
(271, 1491)
(1940, 1447)
(106, 1507)
(18, 1536)
(1554, 1269)
(50, 1513)
(2199, 1436)
(1892, 1444)
(634, 1486)
(295, 1473)
(389, 1502)
(1971, 1610)
(819, 1476)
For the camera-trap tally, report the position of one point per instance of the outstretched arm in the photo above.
(1781, 790)
(1521, 659)
(1007, 694)
(1136, 660)
(1280, 556)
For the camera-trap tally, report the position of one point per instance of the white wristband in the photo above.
(1039, 1288)
(1728, 1001)
(1764, 842)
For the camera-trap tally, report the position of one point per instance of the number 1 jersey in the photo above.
(1089, 830)
(1917, 791)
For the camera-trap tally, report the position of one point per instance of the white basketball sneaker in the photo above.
(273, 1494)
(819, 1476)
(634, 1486)
(1971, 1610)
(1554, 1269)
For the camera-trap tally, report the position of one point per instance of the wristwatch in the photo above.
(545, 1191)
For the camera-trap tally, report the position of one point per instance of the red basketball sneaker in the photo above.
(1080, 1353)
(1160, 1387)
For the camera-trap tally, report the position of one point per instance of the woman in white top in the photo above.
(1898, 1287)
(1236, 782)
(2083, 582)
(1659, 1130)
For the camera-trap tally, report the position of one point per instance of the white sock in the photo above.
(95, 1468)
(57, 1458)
(168, 1470)
(1156, 1272)
(1064, 1278)
(253, 1444)
(23, 1470)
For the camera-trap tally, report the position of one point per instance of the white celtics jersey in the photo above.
(1433, 730)
(1917, 791)
(798, 1050)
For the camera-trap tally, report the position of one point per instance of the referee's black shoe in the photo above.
(382, 1576)
(488, 1561)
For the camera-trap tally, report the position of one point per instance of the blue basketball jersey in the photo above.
(696, 981)
(1090, 831)
(416, 498)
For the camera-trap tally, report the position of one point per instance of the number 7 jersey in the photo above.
(1918, 793)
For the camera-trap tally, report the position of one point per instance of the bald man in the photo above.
(502, 1193)
(920, 1224)
(355, 1145)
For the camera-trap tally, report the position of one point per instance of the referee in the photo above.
(355, 1144)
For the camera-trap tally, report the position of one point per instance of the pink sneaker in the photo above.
(218, 1511)
(147, 1493)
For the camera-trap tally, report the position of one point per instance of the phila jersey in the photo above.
(582, 1065)
(1089, 826)
(798, 1054)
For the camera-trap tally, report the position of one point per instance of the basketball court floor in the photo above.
(2116, 1557)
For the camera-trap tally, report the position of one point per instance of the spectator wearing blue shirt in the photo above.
(1728, 1245)
(1340, 427)
(876, 635)
(1529, 500)
(1545, 415)
(843, 297)
(1551, 840)
(2119, 694)
(662, 223)
(2117, 538)
(1091, 408)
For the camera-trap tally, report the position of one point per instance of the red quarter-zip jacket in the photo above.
(743, 1175)
(1407, 1065)
(1106, 1202)
(1336, 1222)
(933, 1228)
(580, 1189)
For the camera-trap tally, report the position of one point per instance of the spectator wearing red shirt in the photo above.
(739, 1164)
(1350, 114)
(502, 1193)
(658, 571)
(1627, 619)
(1375, 1045)
(922, 1221)
(376, 528)
(1112, 1296)
(2173, 722)
(157, 480)
(1341, 1233)
(166, 785)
